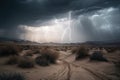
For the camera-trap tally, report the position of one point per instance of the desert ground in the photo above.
(66, 65)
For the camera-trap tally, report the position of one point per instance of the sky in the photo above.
(61, 21)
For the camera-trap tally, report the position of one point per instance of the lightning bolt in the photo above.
(68, 28)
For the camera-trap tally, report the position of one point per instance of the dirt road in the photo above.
(85, 70)
(68, 69)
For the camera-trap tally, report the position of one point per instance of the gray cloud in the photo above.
(18, 12)
(40, 12)
(101, 24)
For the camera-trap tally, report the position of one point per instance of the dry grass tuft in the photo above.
(98, 56)
(74, 50)
(81, 52)
(111, 49)
(11, 76)
(42, 61)
(26, 62)
(47, 56)
(12, 60)
(9, 49)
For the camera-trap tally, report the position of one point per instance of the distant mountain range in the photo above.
(11, 39)
(109, 42)
(8, 39)
(15, 40)
(103, 42)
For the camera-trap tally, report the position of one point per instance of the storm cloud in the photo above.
(90, 19)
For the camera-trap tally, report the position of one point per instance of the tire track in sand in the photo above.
(66, 71)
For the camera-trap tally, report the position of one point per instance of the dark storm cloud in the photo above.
(16, 12)
(100, 25)
(31, 12)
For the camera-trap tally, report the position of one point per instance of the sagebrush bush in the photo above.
(9, 49)
(81, 52)
(32, 52)
(26, 47)
(57, 49)
(29, 53)
(12, 60)
(36, 51)
(117, 64)
(42, 61)
(98, 56)
(110, 50)
(47, 56)
(11, 76)
(50, 55)
(26, 62)
(74, 50)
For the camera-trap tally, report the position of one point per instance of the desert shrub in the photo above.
(50, 55)
(57, 49)
(11, 76)
(12, 60)
(29, 53)
(98, 56)
(111, 49)
(47, 56)
(81, 52)
(25, 62)
(9, 49)
(74, 50)
(117, 64)
(32, 52)
(42, 61)
(26, 47)
(63, 49)
(36, 51)
(46, 47)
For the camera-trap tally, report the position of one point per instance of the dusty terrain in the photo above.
(67, 68)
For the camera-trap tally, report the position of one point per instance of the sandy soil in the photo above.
(69, 69)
